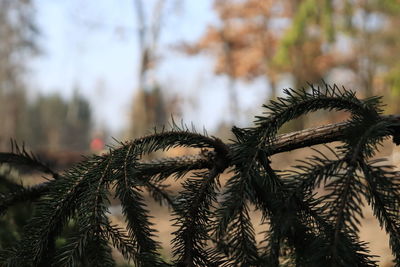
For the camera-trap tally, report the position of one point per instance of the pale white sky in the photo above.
(93, 44)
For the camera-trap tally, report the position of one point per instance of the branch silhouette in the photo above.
(213, 225)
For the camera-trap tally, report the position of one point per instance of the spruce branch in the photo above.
(383, 185)
(286, 142)
(193, 213)
(91, 213)
(52, 213)
(305, 229)
(19, 156)
(22, 194)
(121, 241)
(8, 182)
(160, 194)
(163, 168)
(254, 146)
(139, 227)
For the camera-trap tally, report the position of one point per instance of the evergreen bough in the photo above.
(302, 228)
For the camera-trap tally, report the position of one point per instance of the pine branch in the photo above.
(383, 185)
(305, 230)
(8, 183)
(22, 194)
(17, 193)
(233, 224)
(52, 213)
(193, 217)
(181, 165)
(19, 156)
(324, 134)
(160, 194)
(91, 217)
(287, 142)
(121, 241)
(140, 229)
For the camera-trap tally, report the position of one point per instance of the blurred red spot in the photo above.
(97, 144)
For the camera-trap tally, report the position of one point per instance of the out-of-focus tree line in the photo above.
(45, 122)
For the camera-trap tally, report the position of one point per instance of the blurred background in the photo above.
(74, 74)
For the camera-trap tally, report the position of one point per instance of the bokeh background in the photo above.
(104, 68)
(75, 74)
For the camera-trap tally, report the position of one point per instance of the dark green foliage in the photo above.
(213, 222)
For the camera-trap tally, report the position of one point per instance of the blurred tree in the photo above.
(306, 50)
(148, 106)
(78, 123)
(373, 32)
(381, 48)
(303, 49)
(243, 44)
(255, 40)
(47, 117)
(369, 32)
(18, 34)
(58, 124)
(306, 39)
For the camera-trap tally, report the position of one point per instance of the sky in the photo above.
(92, 45)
